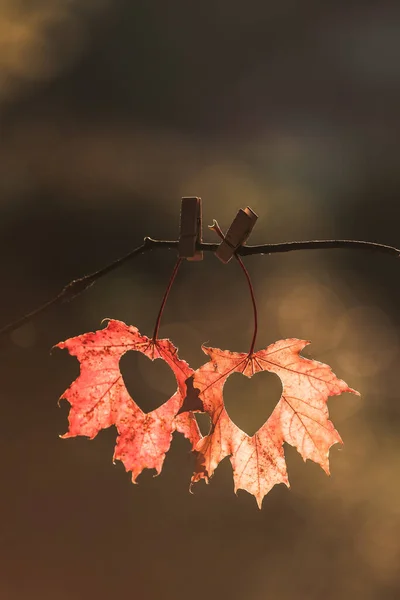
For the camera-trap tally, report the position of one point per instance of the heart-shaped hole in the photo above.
(149, 383)
(250, 402)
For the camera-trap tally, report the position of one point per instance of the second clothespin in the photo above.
(190, 232)
(237, 234)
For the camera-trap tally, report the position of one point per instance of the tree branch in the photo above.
(77, 286)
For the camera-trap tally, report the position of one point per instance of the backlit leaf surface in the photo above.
(99, 397)
(300, 418)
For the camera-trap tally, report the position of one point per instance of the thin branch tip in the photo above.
(77, 286)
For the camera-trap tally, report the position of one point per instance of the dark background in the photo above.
(110, 111)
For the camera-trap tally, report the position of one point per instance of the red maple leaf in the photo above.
(99, 397)
(300, 418)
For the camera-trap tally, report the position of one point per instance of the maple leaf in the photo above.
(300, 418)
(99, 397)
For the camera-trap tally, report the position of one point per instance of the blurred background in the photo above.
(110, 111)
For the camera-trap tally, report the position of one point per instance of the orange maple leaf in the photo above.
(300, 418)
(99, 397)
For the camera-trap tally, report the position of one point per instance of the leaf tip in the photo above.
(259, 502)
(60, 345)
(206, 349)
(352, 391)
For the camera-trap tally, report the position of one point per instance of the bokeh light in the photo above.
(110, 112)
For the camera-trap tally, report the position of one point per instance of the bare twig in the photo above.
(77, 286)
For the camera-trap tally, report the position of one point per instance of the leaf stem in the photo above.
(215, 227)
(165, 298)
(253, 300)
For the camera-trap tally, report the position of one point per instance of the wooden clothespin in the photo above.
(190, 232)
(237, 234)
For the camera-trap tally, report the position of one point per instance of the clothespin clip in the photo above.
(190, 232)
(238, 232)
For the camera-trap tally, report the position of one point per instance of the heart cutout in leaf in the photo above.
(99, 398)
(250, 402)
(300, 418)
(148, 381)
